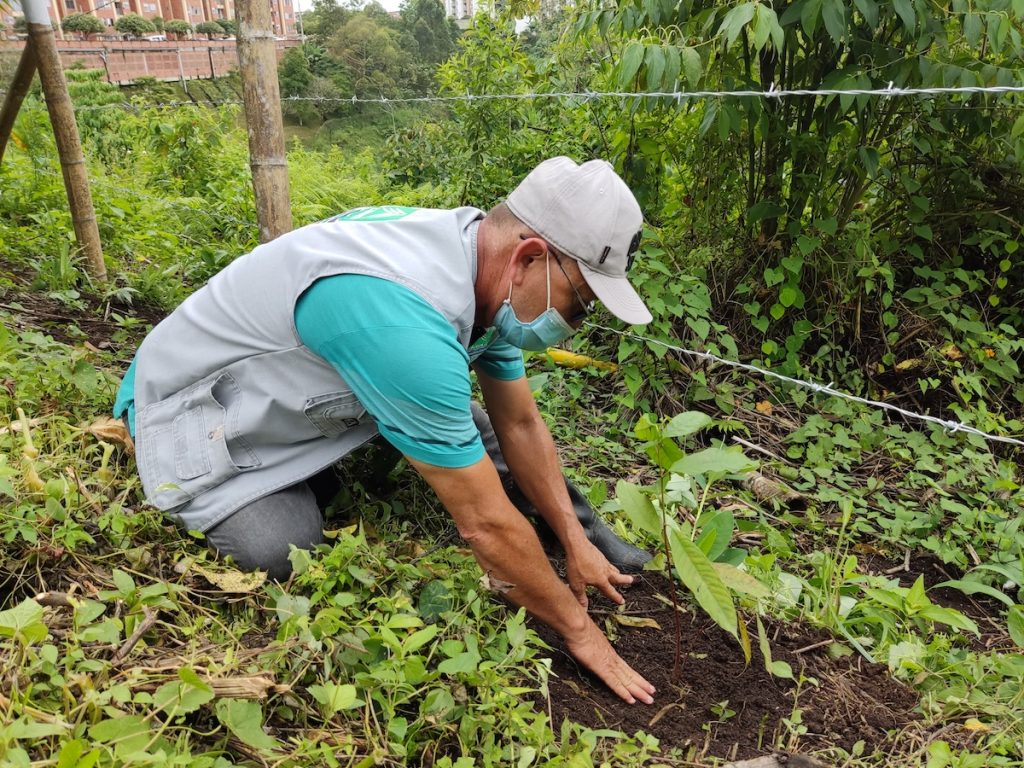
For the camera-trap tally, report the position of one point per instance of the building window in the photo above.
(69, 4)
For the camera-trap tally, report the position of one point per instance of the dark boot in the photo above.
(621, 554)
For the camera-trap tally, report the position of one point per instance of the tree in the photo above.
(428, 24)
(324, 19)
(158, 22)
(229, 26)
(209, 28)
(178, 27)
(372, 54)
(293, 73)
(134, 25)
(84, 24)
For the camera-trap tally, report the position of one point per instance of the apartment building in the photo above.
(282, 12)
(459, 9)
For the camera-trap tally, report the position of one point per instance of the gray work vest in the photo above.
(231, 406)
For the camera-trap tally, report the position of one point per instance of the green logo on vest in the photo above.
(377, 213)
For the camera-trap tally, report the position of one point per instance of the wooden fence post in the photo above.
(16, 94)
(261, 94)
(65, 131)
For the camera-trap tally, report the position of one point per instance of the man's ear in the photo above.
(527, 252)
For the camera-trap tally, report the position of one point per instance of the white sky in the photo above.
(305, 5)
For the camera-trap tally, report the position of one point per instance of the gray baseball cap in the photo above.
(588, 213)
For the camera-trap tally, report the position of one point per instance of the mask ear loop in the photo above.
(547, 266)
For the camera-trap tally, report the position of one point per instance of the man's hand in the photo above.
(593, 651)
(587, 566)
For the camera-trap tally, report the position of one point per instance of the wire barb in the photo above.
(951, 427)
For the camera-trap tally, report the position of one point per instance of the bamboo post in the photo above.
(65, 131)
(261, 94)
(16, 94)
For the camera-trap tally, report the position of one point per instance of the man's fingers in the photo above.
(580, 590)
(622, 579)
(630, 686)
(612, 594)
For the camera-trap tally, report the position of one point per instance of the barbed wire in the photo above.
(890, 91)
(826, 389)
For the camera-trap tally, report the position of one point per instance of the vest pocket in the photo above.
(334, 413)
(191, 455)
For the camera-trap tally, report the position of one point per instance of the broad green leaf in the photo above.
(869, 10)
(692, 66)
(870, 158)
(462, 663)
(969, 587)
(833, 13)
(810, 16)
(632, 58)
(1015, 625)
(686, 423)
(24, 621)
(787, 296)
(972, 29)
(245, 719)
(765, 23)
(670, 79)
(916, 599)
(766, 209)
(905, 9)
(700, 577)
(119, 728)
(735, 20)
(435, 599)
(949, 617)
(654, 59)
(24, 728)
(334, 697)
(404, 621)
(741, 581)
(638, 507)
(420, 638)
(716, 460)
(1018, 128)
(288, 606)
(718, 527)
(123, 581)
(181, 697)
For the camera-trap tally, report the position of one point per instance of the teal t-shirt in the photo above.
(402, 360)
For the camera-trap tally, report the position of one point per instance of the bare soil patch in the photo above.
(841, 701)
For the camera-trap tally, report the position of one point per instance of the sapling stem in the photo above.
(677, 662)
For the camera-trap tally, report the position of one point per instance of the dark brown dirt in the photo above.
(839, 702)
(90, 321)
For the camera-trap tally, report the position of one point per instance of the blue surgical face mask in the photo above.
(537, 335)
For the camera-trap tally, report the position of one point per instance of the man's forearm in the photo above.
(529, 451)
(505, 544)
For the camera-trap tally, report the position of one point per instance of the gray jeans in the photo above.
(258, 535)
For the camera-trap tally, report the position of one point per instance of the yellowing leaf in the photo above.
(112, 430)
(974, 724)
(764, 407)
(636, 621)
(906, 365)
(568, 359)
(235, 582)
(952, 352)
(989, 352)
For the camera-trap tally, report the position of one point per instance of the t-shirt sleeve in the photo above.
(402, 360)
(501, 361)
